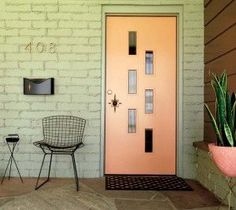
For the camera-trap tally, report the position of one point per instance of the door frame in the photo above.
(143, 10)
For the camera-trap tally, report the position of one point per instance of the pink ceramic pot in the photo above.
(224, 158)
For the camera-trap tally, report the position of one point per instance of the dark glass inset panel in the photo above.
(148, 140)
(132, 42)
(132, 120)
(132, 81)
(149, 62)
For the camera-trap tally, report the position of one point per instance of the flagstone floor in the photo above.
(60, 194)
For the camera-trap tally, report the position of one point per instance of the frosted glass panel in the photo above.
(132, 120)
(132, 42)
(148, 101)
(149, 62)
(132, 86)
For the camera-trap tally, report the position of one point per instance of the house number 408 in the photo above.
(41, 47)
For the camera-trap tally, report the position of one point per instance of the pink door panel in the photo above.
(140, 135)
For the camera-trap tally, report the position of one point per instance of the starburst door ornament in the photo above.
(115, 103)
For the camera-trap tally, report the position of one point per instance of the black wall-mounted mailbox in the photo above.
(39, 86)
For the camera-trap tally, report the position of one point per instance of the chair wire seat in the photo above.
(63, 135)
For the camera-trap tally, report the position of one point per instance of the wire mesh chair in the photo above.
(63, 135)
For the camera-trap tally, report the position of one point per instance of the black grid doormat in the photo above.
(160, 182)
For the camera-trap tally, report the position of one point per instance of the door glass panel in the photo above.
(148, 140)
(132, 120)
(132, 82)
(148, 101)
(149, 62)
(132, 42)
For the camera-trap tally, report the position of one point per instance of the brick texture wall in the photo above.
(75, 26)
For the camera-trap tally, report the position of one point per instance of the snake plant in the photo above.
(224, 120)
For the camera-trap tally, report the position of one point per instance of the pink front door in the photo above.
(140, 135)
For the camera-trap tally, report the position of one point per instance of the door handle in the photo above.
(115, 103)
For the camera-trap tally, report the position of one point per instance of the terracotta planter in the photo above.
(224, 158)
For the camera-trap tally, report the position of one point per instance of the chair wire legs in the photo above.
(37, 186)
(50, 165)
(75, 171)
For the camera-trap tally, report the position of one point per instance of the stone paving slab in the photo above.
(210, 208)
(61, 198)
(143, 204)
(61, 195)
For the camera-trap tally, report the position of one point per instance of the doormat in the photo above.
(133, 182)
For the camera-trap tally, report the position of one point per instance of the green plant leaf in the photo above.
(220, 103)
(223, 81)
(214, 124)
(233, 120)
(217, 110)
(217, 116)
(233, 105)
(235, 114)
(228, 134)
(229, 111)
(233, 99)
(220, 82)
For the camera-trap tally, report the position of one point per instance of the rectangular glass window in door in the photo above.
(149, 62)
(132, 120)
(148, 140)
(132, 42)
(149, 101)
(132, 81)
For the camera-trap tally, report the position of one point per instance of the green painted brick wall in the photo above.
(212, 178)
(75, 26)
